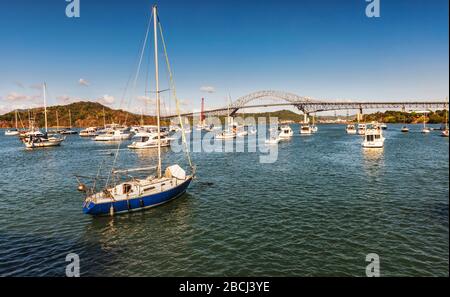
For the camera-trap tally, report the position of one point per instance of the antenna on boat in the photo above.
(158, 123)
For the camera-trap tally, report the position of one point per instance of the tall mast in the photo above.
(44, 86)
(104, 118)
(202, 114)
(155, 28)
(16, 118)
(70, 120)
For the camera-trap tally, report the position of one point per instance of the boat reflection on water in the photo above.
(107, 238)
(373, 160)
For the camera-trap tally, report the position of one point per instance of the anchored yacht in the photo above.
(150, 140)
(373, 137)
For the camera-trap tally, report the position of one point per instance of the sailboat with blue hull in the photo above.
(134, 193)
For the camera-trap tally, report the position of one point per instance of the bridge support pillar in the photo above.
(359, 115)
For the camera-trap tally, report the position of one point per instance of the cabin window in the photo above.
(148, 189)
(144, 139)
(126, 188)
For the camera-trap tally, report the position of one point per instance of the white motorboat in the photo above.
(350, 129)
(89, 132)
(383, 126)
(305, 129)
(113, 135)
(226, 135)
(405, 129)
(373, 137)
(12, 132)
(285, 132)
(425, 129)
(362, 129)
(150, 140)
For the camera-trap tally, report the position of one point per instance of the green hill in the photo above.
(83, 113)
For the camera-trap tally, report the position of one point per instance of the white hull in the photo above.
(272, 141)
(11, 133)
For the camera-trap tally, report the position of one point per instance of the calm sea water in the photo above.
(318, 211)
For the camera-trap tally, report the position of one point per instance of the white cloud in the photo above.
(207, 89)
(147, 99)
(13, 96)
(106, 100)
(83, 82)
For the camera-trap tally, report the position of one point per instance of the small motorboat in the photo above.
(285, 132)
(405, 129)
(13, 131)
(306, 129)
(89, 132)
(444, 133)
(149, 141)
(383, 126)
(113, 135)
(350, 129)
(226, 135)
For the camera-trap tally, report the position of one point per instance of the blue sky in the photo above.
(322, 49)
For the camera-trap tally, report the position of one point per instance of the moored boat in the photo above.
(140, 193)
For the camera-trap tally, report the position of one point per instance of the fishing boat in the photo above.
(36, 139)
(89, 132)
(135, 193)
(285, 132)
(362, 129)
(13, 131)
(373, 137)
(149, 140)
(350, 129)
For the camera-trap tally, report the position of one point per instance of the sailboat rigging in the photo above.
(138, 194)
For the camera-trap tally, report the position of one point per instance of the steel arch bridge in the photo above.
(309, 105)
